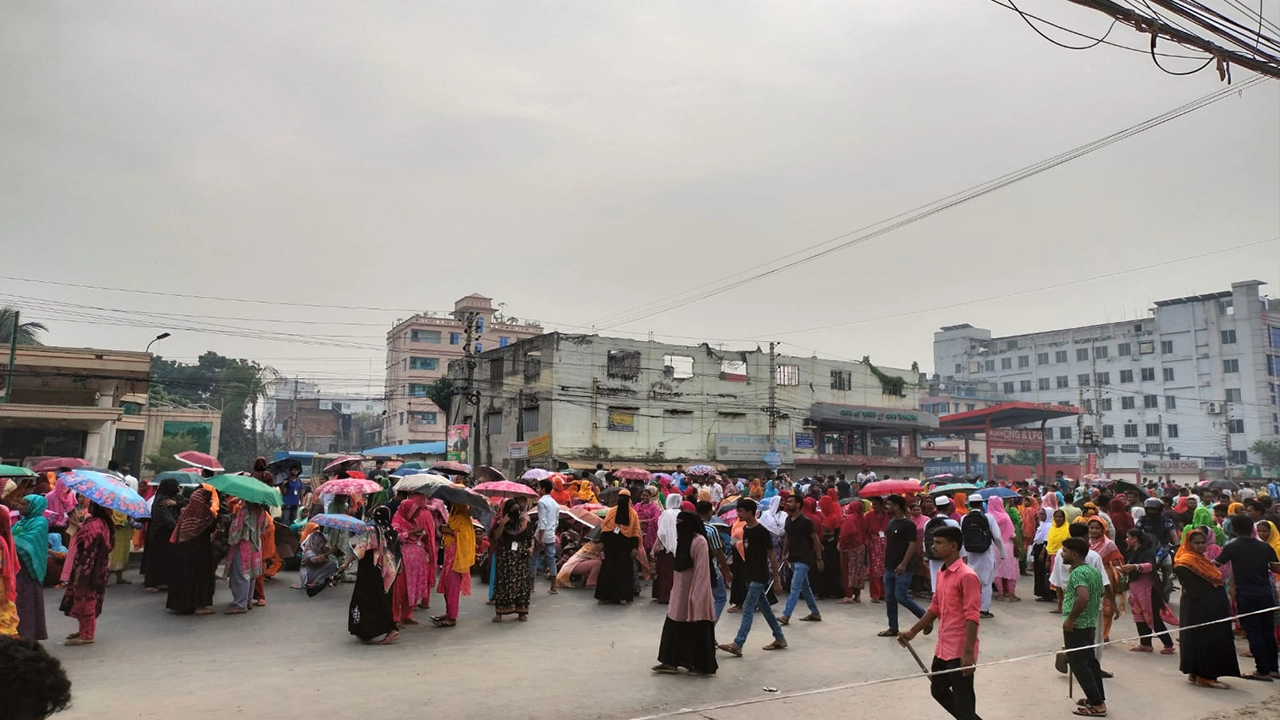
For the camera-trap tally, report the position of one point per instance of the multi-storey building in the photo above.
(419, 351)
(1190, 387)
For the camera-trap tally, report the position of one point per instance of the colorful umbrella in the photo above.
(941, 478)
(418, 481)
(703, 470)
(485, 473)
(107, 491)
(536, 474)
(585, 516)
(504, 489)
(449, 467)
(891, 487)
(663, 476)
(246, 488)
(1000, 492)
(952, 488)
(458, 495)
(55, 464)
(349, 486)
(340, 522)
(634, 473)
(197, 459)
(184, 478)
(15, 471)
(343, 460)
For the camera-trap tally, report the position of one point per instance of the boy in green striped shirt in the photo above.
(1081, 606)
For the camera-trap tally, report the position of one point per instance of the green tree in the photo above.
(163, 461)
(1023, 457)
(1269, 450)
(27, 331)
(441, 392)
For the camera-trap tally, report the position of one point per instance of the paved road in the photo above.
(573, 659)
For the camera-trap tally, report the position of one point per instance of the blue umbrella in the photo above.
(340, 522)
(1000, 492)
(107, 491)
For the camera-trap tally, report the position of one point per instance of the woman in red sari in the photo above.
(91, 550)
(853, 552)
(416, 530)
(876, 522)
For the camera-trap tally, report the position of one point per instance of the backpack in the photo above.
(977, 533)
(930, 528)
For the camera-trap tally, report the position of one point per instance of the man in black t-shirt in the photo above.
(900, 551)
(843, 488)
(1252, 562)
(804, 551)
(762, 572)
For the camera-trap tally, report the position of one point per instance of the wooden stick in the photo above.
(916, 657)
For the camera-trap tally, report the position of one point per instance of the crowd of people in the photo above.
(703, 546)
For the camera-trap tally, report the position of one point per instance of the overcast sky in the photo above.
(578, 159)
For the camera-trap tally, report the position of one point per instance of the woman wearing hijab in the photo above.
(876, 521)
(1202, 517)
(1207, 653)
(244, 559)
(559, 492)
(664, 550)
(512, 536)
(586, 492)
(158, 559)
(1006, 567)
(459, 556)
(853, 552)
(31, 539)
(8, 577)
(621, 536)
(318, 567)
(370, 613)
(1146, 603)
(1121, 519)
(121, 545)
(416, 531)
(1112, 559)
(689, 633)
(1040, 559)
(756, 490)
(831, 582)
(90, 557)
(649, 512)
(192, 584)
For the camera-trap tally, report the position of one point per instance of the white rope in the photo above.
(914, 676)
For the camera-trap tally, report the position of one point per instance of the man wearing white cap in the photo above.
(941, 518)
(982, 543)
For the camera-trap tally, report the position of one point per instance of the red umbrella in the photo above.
(581, 513)
(343, 460)
(449, 467)
(634, 473)
(53, 464)
(197, 459)
(349, 486)
(504, 489)
(891, 487)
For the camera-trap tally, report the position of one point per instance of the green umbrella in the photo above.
(246, 488)
(15, 471)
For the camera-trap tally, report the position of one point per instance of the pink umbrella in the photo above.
(586, 516)
(349, 486)
(342, 461)
(197, 459)
(53, 464)
(449, 467)
(891, 487)
(536, 474)
(504, 489)
(634, 473)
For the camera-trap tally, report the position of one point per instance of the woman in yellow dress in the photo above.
(8, 577)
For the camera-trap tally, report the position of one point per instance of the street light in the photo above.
(158, 338)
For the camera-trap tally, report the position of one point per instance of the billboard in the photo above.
(1016, 438)
(456, 442)
(196, 435)
(751, 448)
(540, 446)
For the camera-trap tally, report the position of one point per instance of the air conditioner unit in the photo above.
(1212, 409)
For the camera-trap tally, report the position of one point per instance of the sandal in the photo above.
(1259, 678)
(496, 618)
(811, 617)
(1202, 682)
(391, 637)
(78, 641)
(1089, 711)
(665, 669)
(784, 620)
(732, 649)
(776, 645)
(1141, 649)
(1168, 651)
(522, 617)
(203, 611)
(443, 622)
(887, 633)
(73, 636)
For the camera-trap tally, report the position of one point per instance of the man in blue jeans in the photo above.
(803, 549)
(762, 573)
(900, 552)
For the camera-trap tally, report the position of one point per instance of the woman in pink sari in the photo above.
(1006, 568)
(648, 510)
(417, 532)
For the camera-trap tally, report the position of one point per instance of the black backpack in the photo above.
(976, 531)
(930, 528)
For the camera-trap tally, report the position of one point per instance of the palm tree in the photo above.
(26, 331)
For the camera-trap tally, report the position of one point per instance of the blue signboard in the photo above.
(804, 440)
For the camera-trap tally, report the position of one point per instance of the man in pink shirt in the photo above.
(957, 605)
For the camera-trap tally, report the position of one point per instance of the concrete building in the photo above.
(324, 421)
(574, 400)
(1186, 389)
(419, 351)
(92, 404)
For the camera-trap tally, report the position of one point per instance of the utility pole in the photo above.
(13, 352)
(773, 397)
(1226, 426)
(293, 420)
(470, 391)
(1160, 434)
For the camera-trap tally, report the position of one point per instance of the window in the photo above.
(1228, 337)
(1148, 374)
(1166, 347)
(1273, 365)
(623, 364)
(786, 375)
(1042, 358)
(1150, 401)
(1227, 307)
(1060, 356)
(401, 418)
(1007, 388)
(1238, 457)
(495, 371)
(989, 366)
(532, 366)
(1064, 433)
(1124, 349)
(1088, 406)
(130, 408)
(1044, 383)
(1230, 366)
(1108, 431)
(1011, 345)
(970, 407)
(959, 368)
(422, 418)
(1130, 448)
(493, 423)
(1069, 450)
(1234, 395)
(1137, 327)
(425, 336)
(1153, 448)
(1126, 376)
(841, 380)
(503, 341)
(1235, 427)
(455, 338)
(1153, 429)
(1170, 402)
(1274, 334)
(1082, 354)
(1146, 347)
(1127, 402)
(1167, 373)
(622, 419)
(732, 370)
(1104, 405)
(1024, 361)
(1171, 430)
(1082, 379)
(1006, 363)
(1131, 430)
(424, 363)
(1104, 378)
(1024, 386)
(417, 390)
(677, 367)
(1063, 381)
(1100, 352)
(529, 419)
